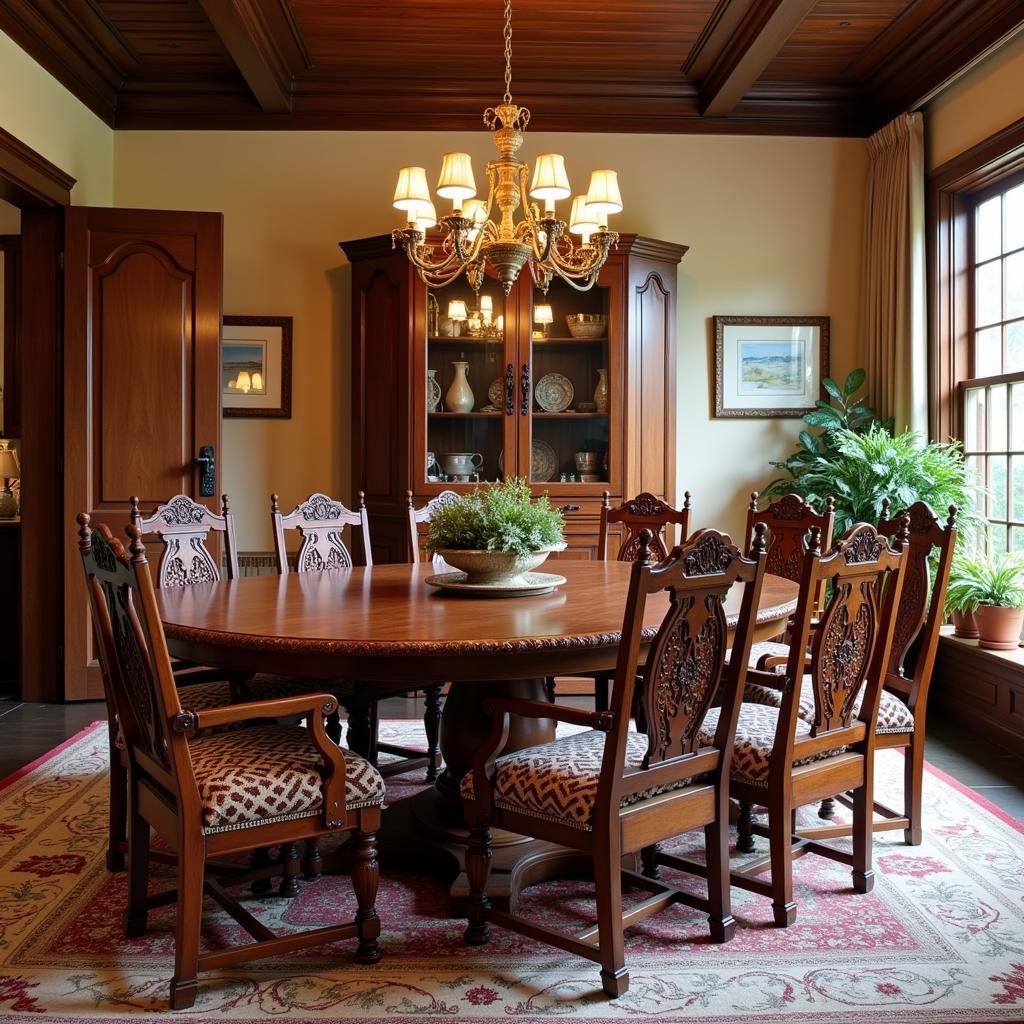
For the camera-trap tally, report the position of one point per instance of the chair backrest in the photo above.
(184, 526)
(850, 646)
(424, 515)
(920, 612)
(686, 664)
(133, 653)
(790, 521)
(644, 512)
(321, 521)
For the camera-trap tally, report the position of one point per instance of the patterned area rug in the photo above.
(940, 939)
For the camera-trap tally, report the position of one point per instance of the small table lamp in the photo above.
(542, 315)
(9, 469)
(458, 315)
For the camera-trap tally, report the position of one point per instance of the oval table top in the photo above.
(385, 622)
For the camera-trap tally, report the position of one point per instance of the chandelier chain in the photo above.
(508, 51)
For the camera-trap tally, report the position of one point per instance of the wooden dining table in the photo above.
(385, 623)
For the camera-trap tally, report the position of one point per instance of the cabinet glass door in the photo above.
(572, 386)
(465, 385)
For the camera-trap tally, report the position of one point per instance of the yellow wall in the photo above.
(37, 110)
(978, 105)
(774, 227)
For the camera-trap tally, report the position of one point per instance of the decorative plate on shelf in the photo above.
(527, 584)
(543, 462)
(554, 392)
(496, 392)
(433, 394)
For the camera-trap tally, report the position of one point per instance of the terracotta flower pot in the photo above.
(964, 625)
(998, 627)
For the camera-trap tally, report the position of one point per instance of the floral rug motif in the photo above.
(940, 939)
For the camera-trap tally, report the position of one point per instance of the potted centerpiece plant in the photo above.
(497, 532)
(992, 590)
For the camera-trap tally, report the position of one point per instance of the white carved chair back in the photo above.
(321, 521)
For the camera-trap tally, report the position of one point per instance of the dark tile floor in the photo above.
(29, 730)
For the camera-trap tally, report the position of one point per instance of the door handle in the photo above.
(510, 390)
(207, 463)
(569, 508)
(524, 385)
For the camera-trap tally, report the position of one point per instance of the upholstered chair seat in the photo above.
(768, 649)
(893, 715)
(270, 773)
(557, 781)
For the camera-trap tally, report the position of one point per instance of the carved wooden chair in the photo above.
(610, 791)
(321, 521)
(782, 760)
(789, 521)
(194, 786)
(644, 512)
(904, 699)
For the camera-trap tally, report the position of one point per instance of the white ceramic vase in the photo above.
(460, 395)
(601, 391)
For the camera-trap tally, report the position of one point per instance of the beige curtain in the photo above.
(893, 315)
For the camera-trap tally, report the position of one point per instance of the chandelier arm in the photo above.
(438, 266)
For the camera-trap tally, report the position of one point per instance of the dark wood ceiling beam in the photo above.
(747, 49)
(244, 31)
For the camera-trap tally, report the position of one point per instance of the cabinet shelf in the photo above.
(541, 342)
(569, 415)
(463, 339)
(463, 415)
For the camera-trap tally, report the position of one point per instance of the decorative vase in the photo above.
(999, 627)
(433, 391)
(964, 625)
(495, 567)
(460, 395)
(601, 391)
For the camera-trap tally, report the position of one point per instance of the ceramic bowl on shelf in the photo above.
(588, 326)
(586, 407)
(588, 462)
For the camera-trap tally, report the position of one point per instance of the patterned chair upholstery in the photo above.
(557, 781)
(266, 774)
(893, 715)
(755, 738)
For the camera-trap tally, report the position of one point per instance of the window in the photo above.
(992, 399)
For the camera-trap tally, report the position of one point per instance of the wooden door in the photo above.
(142, 318)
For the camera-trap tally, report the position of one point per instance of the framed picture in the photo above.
(256, 366)
(769, 366)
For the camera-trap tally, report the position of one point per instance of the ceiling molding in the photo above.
(246, 36)
(748, 49)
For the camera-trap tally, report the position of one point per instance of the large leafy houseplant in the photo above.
(497, 532)
(992, 590)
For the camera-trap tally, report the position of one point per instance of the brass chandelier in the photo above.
(472, 241)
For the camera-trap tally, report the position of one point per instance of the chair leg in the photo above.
(608, 881)
(913, 780)
(365, 880)
(358, 738)
(289, 857)
(549, 688)
(863, 876)
(478, 869)
(332, 726)
(312, 862)
(827, 810)
(601, 693)
(432, 727)
(744, 835)
(780, 842)
(138, 874)
(184, 984)
(649, 861)
(721, 923)
(117, 834)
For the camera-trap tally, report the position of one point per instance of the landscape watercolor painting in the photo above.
(771, 368)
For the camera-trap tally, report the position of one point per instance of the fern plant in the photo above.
(859, 470)
(983, 581)
(497, 517)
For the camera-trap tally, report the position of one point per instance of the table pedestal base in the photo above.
(415, 834)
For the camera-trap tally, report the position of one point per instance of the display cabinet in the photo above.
(575, 391)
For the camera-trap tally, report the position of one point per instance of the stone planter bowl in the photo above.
(482, 567)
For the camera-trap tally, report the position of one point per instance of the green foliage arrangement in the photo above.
(977, 581)
(859, 470)
(848, 412)
(497, 517)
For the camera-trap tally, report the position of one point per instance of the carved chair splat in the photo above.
(181, 781)
(782, 760)
(611, 791)
(321, 521)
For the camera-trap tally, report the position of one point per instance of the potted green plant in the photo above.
(992, 590)
(497, 532)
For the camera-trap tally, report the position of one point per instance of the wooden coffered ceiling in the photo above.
(808, 67)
